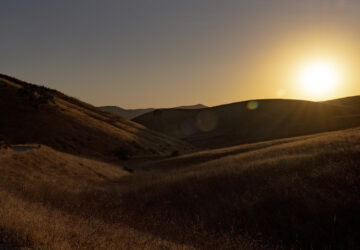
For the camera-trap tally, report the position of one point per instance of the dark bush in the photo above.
(175, 153)
(130, 170)
(35, 95)
(122, 153)
(3, 143)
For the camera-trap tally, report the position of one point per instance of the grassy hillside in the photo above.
(292, 193)
(132, 113)
(35, 114)
(253, 121)
(352, 103)
(45, 192)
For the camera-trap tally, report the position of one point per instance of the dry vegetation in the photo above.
(36, 114)
(47, 199)
(300, 193)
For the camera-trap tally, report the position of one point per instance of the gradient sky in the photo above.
(165, 53)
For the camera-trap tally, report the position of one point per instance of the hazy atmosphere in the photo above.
(167, 53)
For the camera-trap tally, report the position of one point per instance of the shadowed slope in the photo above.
(34, 114)
(299, 194)
(253, 121)
(132, 113)
(352, 103)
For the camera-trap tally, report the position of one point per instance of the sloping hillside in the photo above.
(44, 193)
(298, 193)
(293, 194)
(250, 121)
(352, 103)
(27, 163)
(34, 114)
(132, 113)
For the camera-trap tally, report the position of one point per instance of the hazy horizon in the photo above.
(140, 54)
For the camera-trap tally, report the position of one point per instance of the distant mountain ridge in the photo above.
(133, 113)
(253, 121)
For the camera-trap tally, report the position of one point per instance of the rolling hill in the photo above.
(251, 121)
(40, 190)
(132, 113)
(283, 191)
(295, 193)
(35, 114)
(351, 102)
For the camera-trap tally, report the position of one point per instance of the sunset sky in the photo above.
(165, 53)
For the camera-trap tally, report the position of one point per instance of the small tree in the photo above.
(3, 143)
(36, 95)
(122, 153)
(174, 153)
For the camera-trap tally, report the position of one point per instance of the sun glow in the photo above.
(319, 78)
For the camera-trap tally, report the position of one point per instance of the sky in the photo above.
(167, 53)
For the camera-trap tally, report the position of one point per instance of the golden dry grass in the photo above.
(40, 192)
(294, 193)
(303, 194)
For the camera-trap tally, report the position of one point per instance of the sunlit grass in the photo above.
(299, 192)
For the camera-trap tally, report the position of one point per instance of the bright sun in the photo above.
(319, 78)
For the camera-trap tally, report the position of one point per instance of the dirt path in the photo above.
(17, 149)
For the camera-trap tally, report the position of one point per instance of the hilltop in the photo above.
(351, 102)
(34, 114)
(251, 121)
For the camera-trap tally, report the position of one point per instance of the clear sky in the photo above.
(165, 53)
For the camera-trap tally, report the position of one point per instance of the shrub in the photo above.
(35, 95)
(175, 153)
(130, 170)
(3, 143)
(122, 153)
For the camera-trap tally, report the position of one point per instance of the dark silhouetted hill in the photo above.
(252, 121)
(36, 114)
(352, 103)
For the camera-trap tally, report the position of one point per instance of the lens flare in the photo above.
(206, 121)
(252, 105)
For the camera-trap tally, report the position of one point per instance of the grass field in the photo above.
(293, 193)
